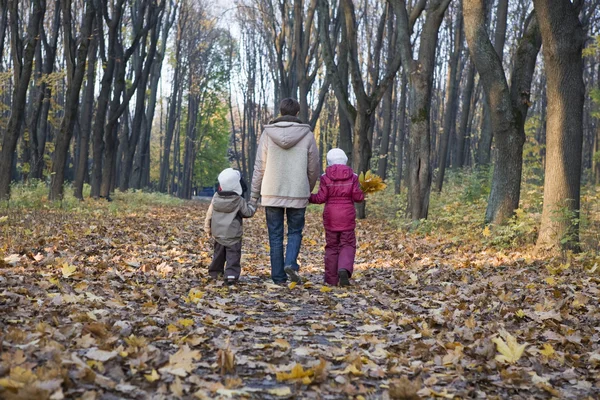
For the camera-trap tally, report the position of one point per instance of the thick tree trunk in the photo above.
(451, 98)
(23, 68)
(508, 108)
(421, 82)
(563, 38)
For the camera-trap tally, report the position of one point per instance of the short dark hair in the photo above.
(289, 106)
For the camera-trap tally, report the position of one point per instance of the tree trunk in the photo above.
(86, 120)
(130, 143)
(76, 63)
(451, 98)
(164, 162)
(23, 68)
(141, 164)
(345, 127)
(104, 95)
(421, 82)
(487, 134)
(185, 186)
(401, 133)
(563, 38)
(464, 117)
(508, 108)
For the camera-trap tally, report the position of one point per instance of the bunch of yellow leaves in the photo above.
(371, 183)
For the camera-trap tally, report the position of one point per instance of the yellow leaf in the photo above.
(68, 270)
(486, 232)
(154, 376)
(297, 372)
(292, 285)
(326, 289)
(510, 351)
(185, 322)
(550, 280)
(548, 350)
(195, 295)
(520, 313)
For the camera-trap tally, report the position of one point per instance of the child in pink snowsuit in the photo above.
(339, 190)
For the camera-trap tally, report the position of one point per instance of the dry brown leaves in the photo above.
(98, 305)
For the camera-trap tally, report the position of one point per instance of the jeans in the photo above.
(295, 222)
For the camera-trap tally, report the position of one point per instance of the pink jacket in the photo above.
(339, 190)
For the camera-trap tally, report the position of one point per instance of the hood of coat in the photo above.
(287, 131)
(226, 202)
(339, 172)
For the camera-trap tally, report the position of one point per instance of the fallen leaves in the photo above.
(510, 351)
(297, 373)
(181, 363)
(134, 315)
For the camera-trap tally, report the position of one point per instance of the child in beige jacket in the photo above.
(224, 223)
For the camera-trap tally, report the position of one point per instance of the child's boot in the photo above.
(344, 277)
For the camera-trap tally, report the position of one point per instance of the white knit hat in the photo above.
(229, 180)
(336, 156)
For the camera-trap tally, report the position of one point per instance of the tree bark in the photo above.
(23, 68)
(508, 107)
(464, 117)
(86, 119)
(421, 82)
(563, 38)
(164, 161)
(487, 134)
(129, 144)
(76, 60)
(401, 133)
(451, 98)
(108, 65)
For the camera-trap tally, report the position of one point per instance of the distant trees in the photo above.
(159, 94)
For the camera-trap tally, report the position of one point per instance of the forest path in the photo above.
(106, 305)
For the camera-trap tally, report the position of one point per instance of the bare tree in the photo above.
(76, 63)
(23, 52)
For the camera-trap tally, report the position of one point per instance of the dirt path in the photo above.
(103, 305)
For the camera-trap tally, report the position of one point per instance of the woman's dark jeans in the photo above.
(295, 222)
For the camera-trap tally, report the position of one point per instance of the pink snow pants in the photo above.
(340, 250)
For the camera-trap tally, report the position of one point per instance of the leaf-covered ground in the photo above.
(97, 303)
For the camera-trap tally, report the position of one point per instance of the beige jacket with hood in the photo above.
(287, 164)
(224, 217)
